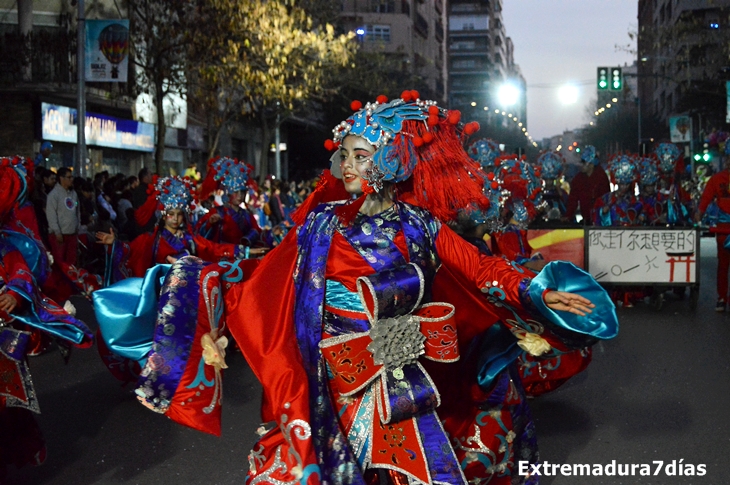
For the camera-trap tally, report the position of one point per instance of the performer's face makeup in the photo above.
(174, 219)
(235, 198)
(355, 159)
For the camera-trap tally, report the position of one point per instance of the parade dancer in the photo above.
(24, 309)
(676, 200)
(371, 276)
(126, 336)
(485, 151)
(229, 223)
(587, 186)
(551, 165)
(522, 202)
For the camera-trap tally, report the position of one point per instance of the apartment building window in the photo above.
(377, 33)
(383, 6)
(463, 45)
(464, 64)
(468, 22)
(498, 41)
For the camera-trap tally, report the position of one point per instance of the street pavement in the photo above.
(658, 392)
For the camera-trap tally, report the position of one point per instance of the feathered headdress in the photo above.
(16, 174)
(165, 194)
(521, 188)
(484, 151)
(623, 169)
(551, 165)
(418, 146)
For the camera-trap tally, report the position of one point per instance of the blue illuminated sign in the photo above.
(60, 124)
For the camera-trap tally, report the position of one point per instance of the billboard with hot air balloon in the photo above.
(107, 49)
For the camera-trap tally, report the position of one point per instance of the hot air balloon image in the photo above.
(114, 44)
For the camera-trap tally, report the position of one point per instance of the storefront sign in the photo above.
(60, 124)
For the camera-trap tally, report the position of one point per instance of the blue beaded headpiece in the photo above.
(379, 123)
(589, 155)
(648, 171)
(232, 175)
(521, 189)
(623, 169)
(668, 153)
(484, 151)
(551, 165)
(174, 193)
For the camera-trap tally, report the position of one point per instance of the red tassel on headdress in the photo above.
(328, 189)
(444, 179)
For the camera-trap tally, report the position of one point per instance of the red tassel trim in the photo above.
(348, 212)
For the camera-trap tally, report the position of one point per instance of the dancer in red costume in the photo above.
(386, 306)
(23, 309)
(229, 223)
(171, 239)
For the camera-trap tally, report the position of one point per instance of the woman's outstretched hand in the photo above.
(568, 302)
(106, 238)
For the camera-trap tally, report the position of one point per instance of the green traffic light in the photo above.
(577, 150)
(603, 84)
(616, 84)
(697, 157)
(706, 157)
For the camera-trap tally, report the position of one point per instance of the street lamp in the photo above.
(508, 94)
(568, 94)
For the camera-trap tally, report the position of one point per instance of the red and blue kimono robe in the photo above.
(346, 400)
(21, 441)
(623, 210)
(235, 227)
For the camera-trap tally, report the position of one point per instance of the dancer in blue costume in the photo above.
(373, 276)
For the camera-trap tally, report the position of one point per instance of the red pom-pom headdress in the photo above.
(418, 147)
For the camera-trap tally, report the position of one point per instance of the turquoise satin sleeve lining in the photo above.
(127, 312)
(338, 296)
(602, 323)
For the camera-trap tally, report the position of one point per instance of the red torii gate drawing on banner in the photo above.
(675, 258)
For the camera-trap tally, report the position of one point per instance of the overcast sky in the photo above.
(564, 41)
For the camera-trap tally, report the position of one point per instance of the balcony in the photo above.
(420, 25)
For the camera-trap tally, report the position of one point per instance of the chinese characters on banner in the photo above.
(617, 255)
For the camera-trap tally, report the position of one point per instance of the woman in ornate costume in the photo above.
(620, 207)
(386, 306)
(125, 310)
(551, 166)
(23, 310)
(171, 239)
(522, 202)
(229, 223)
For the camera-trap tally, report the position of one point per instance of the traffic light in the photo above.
(617, 79)
(602, 78)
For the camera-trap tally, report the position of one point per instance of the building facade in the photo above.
(683, 47)
(414, 30)
(481, 60)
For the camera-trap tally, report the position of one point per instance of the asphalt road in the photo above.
(658, 392)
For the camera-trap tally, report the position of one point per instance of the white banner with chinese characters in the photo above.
(643, 255)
